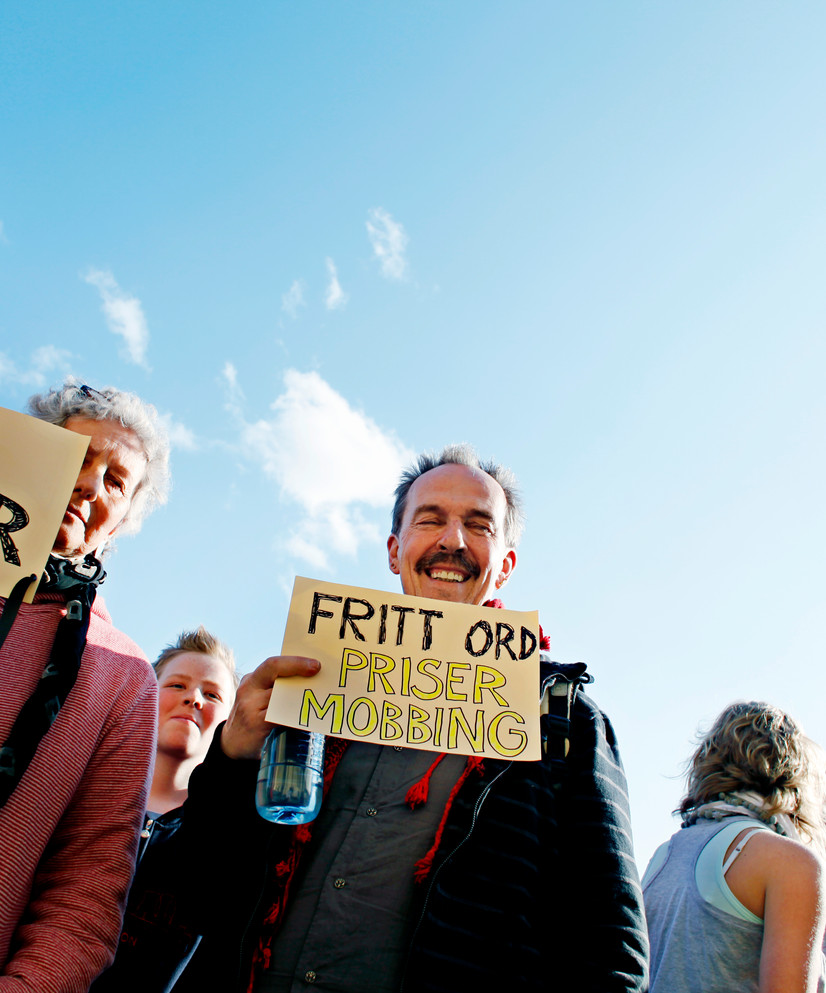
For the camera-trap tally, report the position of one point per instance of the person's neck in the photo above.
(169, 782)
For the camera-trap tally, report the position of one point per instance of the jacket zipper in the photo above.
(476, 808)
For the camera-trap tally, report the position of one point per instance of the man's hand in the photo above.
(246, 727)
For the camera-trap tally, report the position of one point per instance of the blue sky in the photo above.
(587, 238)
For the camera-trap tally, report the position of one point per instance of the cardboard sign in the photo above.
(410, 671)
(39, 466)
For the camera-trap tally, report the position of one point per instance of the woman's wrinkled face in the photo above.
(112, 471)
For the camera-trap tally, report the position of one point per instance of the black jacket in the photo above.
(534, 886)
(158, 936)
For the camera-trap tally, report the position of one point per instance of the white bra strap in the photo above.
(741, 844)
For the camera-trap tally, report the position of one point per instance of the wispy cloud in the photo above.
(8, 370)
(44, 360)
(230, 375)
(124, 315)
(330, 460)
(234, 402)
(293, 298)
(180, 436)
(49, 357)
(335, 296)
(389, 241)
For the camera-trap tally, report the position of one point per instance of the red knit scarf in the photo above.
(284, 871)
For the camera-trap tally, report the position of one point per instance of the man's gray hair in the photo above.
(464, 454)
(109, 404)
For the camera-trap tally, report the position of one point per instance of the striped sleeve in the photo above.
(606, 923)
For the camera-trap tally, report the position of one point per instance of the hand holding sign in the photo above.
(246, 727)
(412, 671)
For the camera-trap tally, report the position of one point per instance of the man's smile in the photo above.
(447, 576)
(448, 567)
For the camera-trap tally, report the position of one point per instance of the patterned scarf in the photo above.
(744, 803)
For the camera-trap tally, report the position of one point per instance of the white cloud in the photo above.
(335, 296)
(43, 360)
(8, 370)
(123, 313)
(329, 459)
(301, 548)
(48, 357)
(389, 241)
(293, 298)
(230, 374)
(180, 436)
(234, 395)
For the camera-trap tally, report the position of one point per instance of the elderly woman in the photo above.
(735, 901)
(197, 683)
(77, 711)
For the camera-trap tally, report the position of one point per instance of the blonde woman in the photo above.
(196, 688)
(735, 900)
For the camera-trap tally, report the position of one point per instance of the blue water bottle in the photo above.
(291, 776)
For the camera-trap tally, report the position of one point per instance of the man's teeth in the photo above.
(451, 577)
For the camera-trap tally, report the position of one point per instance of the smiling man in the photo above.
(451, 539)
(422, 875)
(77, 712)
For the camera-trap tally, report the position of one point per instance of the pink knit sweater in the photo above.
(68, 833)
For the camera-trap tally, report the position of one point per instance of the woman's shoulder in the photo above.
(774, 867)
(781, 856)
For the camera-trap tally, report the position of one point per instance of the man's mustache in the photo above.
(457, 558)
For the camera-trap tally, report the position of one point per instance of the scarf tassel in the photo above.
(425, 863)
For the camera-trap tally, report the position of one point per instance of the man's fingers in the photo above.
(281, 666)
(293, 665)
(247, 727)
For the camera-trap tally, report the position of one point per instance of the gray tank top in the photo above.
(695, 947)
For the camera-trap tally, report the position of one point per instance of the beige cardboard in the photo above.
(400, 670)
(39, 466)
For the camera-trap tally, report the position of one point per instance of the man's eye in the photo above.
(116, 483)
(480, 526)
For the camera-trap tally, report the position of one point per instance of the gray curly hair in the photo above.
(464, 454)
(73, 399)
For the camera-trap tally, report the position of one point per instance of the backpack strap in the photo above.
(39, 712)
(560, 685)
(15, 598)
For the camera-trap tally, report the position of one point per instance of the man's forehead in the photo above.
(457, 485)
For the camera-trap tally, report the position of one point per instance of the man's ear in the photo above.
(508, 565)
(393, 554)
